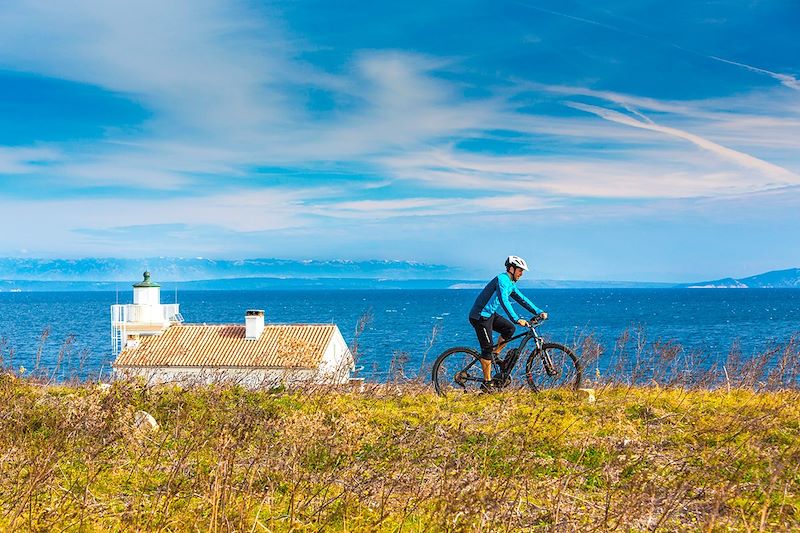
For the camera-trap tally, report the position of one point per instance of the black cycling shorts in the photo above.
(484, 327)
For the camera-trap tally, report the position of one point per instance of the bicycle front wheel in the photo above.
(553, 366)
(457, 370)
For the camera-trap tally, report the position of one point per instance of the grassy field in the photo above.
(396, 458)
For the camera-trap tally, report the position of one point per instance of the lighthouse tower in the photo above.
(145, 316)
(147, 298)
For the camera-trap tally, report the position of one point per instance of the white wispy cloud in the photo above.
(211, 73)
(640, 102)
(225, 90)
(740, 158)
(26, 160)
(417, 207)
(179, 57)
(786, 79)
(763, 123)
(663, 173)
(251, 211)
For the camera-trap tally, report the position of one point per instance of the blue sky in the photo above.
(600, 140)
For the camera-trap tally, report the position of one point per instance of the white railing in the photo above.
(147, 314)
(118, 336)
(123, 315)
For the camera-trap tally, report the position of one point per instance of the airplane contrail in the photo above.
(740, 158)
(785, 79)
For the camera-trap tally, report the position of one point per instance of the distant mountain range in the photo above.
(198, 268)
(111, 274)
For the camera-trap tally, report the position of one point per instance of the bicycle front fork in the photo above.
(549, 367)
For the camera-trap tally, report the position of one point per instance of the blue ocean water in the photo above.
(710, 320)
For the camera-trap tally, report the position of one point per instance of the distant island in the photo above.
(775, 279)
(109, 274)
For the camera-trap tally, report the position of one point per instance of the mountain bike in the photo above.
(547, 365)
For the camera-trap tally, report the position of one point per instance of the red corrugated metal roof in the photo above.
(195, 345)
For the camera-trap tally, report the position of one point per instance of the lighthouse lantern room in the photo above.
(145, 316)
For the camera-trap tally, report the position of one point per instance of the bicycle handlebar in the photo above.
(536, 320)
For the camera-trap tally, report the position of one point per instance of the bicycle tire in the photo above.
(445, 372)
(566, 368)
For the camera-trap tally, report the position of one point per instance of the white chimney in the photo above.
(253, 324)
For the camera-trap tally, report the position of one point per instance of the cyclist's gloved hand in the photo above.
(543, 315)
(522, 322)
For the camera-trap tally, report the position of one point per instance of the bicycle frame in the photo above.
(526, 337)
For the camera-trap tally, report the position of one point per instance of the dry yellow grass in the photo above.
(396, 458)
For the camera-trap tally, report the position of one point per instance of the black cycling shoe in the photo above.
(489, 387)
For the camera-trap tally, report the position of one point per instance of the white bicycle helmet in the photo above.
(516, 261)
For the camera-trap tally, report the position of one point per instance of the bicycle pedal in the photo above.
(501, 381)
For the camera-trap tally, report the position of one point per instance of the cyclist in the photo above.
(484, 317)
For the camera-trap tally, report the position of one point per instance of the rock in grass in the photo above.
(144, 421)
(588, 394)
(356, 384)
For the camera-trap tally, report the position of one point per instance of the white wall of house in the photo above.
(253, 378)
(337, 361)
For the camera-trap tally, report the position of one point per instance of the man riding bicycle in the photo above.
(484, 317)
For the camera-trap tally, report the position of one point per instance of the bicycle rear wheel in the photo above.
(553, 366)
(457, 370)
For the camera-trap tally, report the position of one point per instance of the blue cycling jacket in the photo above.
(496, 294)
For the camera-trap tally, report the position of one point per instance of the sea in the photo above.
(67, 335)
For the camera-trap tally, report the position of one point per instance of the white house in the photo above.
(151, 341)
